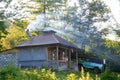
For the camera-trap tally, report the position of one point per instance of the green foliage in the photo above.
(97, 8)
(41, 74)
(3, 32)
(14, 73)
(109, 75)
(104, 31)
(81, 76)
(117, 32)
(21, 23)
(47, 5)
(16, 35)
(36, 33)
(72, 77)
(6, 73)
(3, 27)
(87, 49)
(2, 11)
(114, 46)
(85, 76)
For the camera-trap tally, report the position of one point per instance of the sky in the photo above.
(115, 8)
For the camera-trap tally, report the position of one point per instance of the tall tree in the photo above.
(78, 21)
(16, 35)
(18, 9)
(3, 22)
(3, 18)
(15, 11)
(3, 32)
(2, 29)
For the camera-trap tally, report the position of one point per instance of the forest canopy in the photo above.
(79, 22)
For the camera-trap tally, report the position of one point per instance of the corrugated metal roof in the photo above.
(47, 39)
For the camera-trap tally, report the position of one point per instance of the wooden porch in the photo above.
(59, 57)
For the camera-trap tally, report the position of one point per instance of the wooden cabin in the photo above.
(47, 50)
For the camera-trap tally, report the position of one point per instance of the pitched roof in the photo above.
(47, 39)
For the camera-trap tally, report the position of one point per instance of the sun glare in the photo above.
(115, 8)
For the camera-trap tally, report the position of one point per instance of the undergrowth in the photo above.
(16, 73)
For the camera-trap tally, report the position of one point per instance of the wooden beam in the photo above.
(76, 60)
(57, 50)
(47, 54)
(66, 56)
(69, 58)
(76, 56)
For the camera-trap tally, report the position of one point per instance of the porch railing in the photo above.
(55, 64)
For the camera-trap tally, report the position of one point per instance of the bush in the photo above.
(6, 73)
(72, 77)
(83, 76)
(109, 75)
(15, 73)
(41, 74)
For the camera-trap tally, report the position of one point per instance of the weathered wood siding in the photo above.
(32, 56)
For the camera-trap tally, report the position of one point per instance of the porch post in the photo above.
(57, 61)
(76, 61)
(76, 56)
(57, 53)
(66, 55)
(69, 59)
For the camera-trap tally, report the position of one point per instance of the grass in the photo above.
(106, 75)
(15, 73)
(62, 74)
